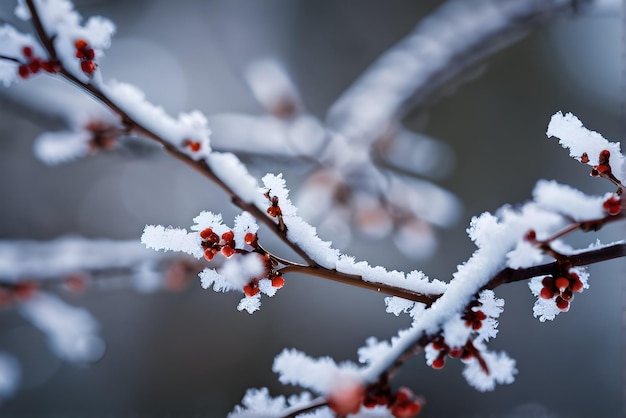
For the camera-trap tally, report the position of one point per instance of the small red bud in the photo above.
(88, 67)
(80, 44)
(228, 251)
(562, 304)
(209, 253)
(576, 285)
(206, 233)
(548, 281)
(439, 362)
(27, 51)
(251, 289)
(23, 71)
(228, 236)
(605, 155)
(584, 158)
(546, 293)
(250, 238)
(278, 282)
(561, 283)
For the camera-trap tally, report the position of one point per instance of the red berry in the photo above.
(548, 281)
(274, 211)
(584, 158)
(88, 67)
(23, 71)
(24, 291)
(531, 236)
(562, 304)
(278, 282)
(228, 251)
(576, 285)
(567, 294)
(546, 293)
(90, 54)
(455, 352)
(206, 233)
(209, 253)
(228, 236)
(561, 283)
(250, 238)
(51, 66)
(35, 65)
(80, 44)
(27, 51)
(613, 205)
(439, 362)
(408, 410)
(605, 155)
(251, 289)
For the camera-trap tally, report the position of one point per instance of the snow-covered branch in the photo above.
(455, 318)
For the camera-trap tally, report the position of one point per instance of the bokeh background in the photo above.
(192, 354)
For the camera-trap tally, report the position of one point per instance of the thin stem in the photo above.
(358, 281)
(313, 405)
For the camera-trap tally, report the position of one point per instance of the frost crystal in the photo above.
(580, 140)
(501, 370)
(322, 375)
(158, 238)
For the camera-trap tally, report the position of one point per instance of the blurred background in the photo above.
(191, 353)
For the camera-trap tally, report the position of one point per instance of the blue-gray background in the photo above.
(192, 354)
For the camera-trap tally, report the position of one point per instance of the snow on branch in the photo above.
(64, 256)
(72, 332)
(442, 46)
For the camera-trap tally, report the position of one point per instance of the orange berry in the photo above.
(206, 233)
(278, 282)
(546, 293)
(251, 289)
(80, 44)
(576, 285)
(274, 211)
(250, 238)
(228, 236)
(209, 253)
(561, 283)
(228, 251)
(88, 67)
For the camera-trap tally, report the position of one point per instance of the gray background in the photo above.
(192, 354)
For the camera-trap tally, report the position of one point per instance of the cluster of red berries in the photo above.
(86, 55)
(613, 205)
(212, 244)
(17, 293)
(34, 65)
(563, 287)
(402, 404)
(474, 318)
(278, 281)
(465, 353)
(194, 146)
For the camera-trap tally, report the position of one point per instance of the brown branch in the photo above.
(358, 281)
